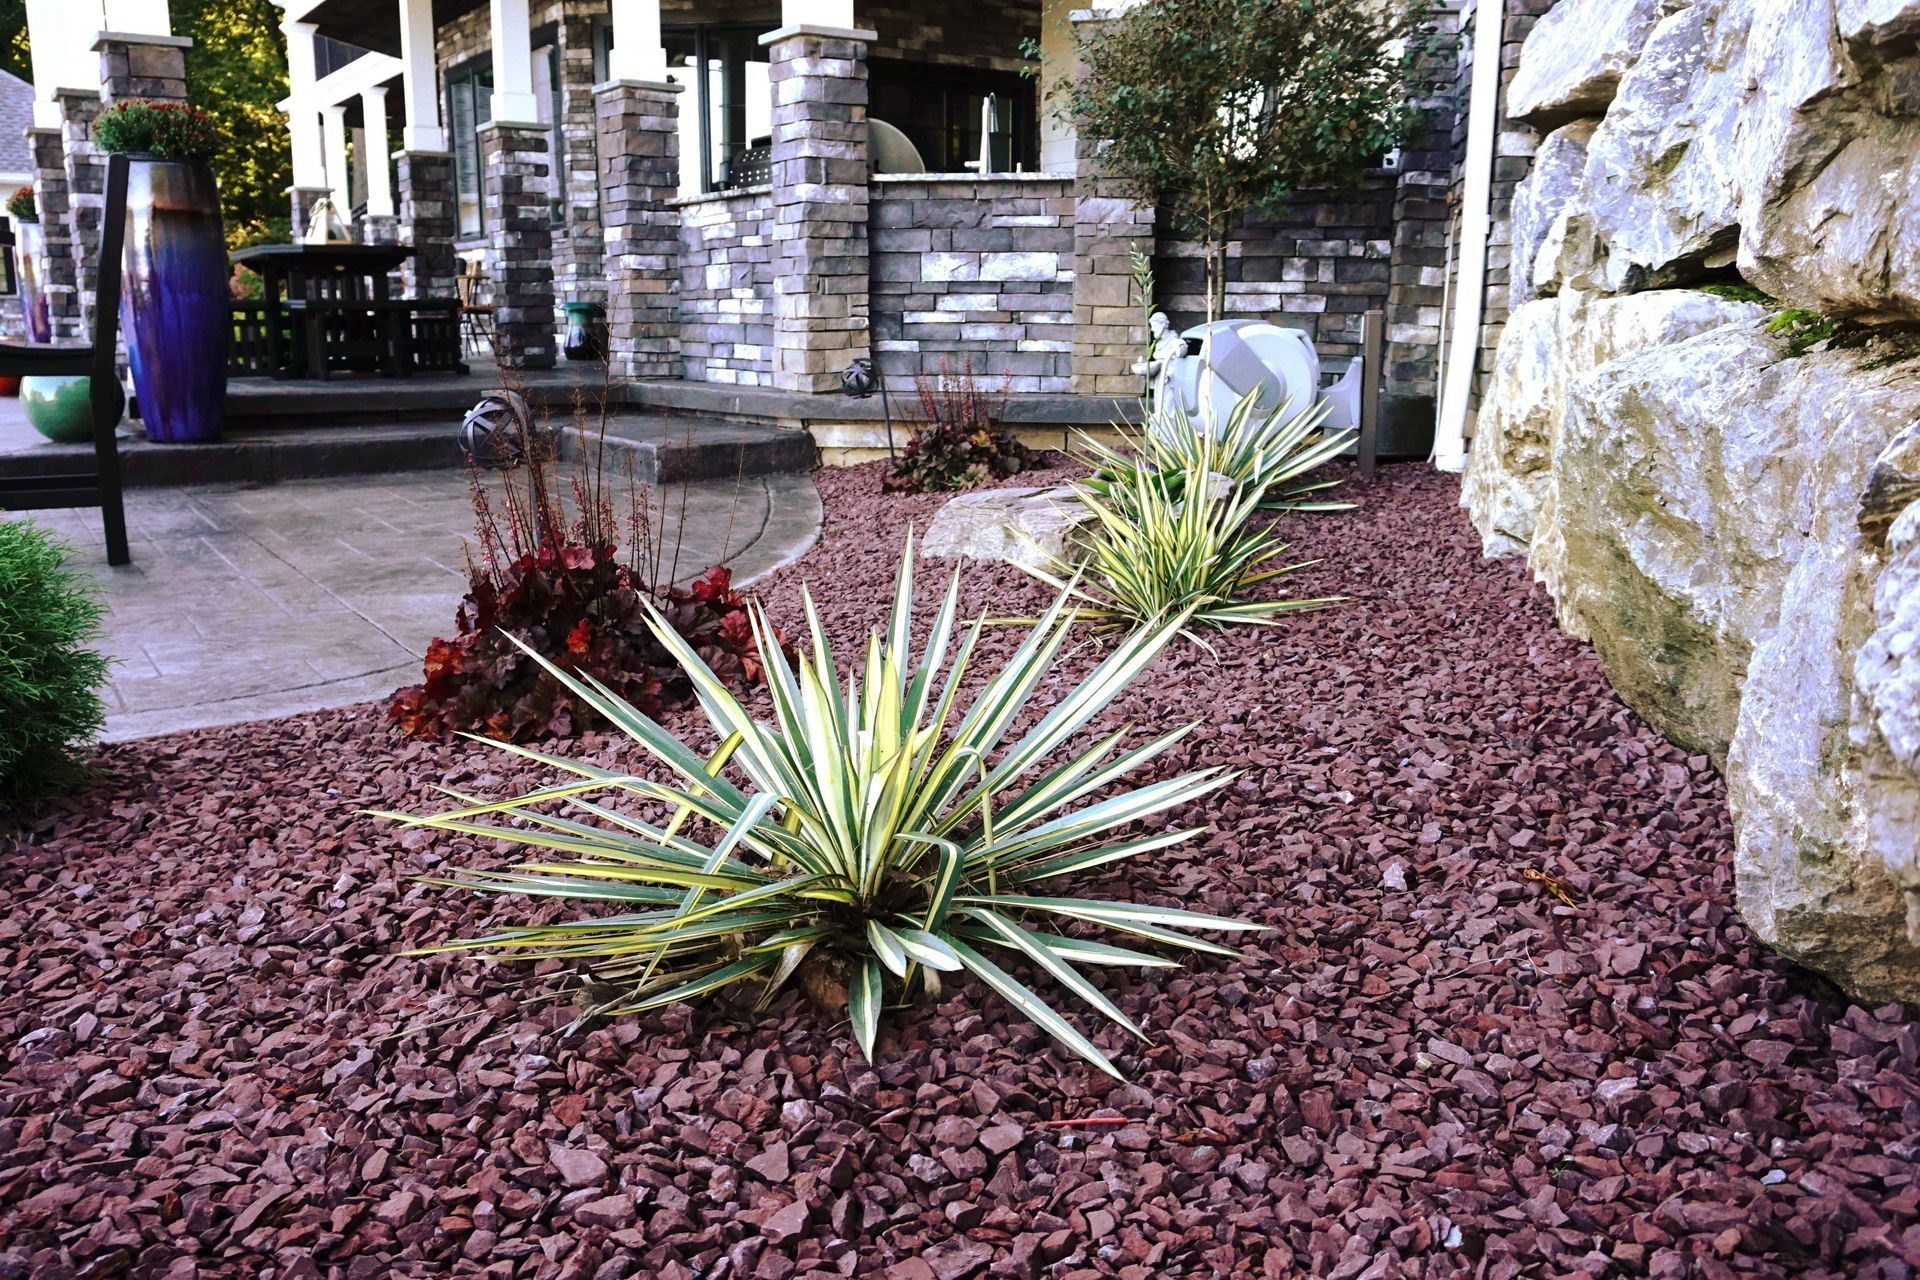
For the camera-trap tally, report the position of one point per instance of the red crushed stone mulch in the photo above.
(217, 1065)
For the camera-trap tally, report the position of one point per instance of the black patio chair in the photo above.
(95, 360)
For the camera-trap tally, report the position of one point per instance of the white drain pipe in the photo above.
(1476, 227)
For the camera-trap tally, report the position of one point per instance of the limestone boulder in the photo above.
(1574, 57)
(1538, 205)
(1547, 343)
(1781, 136)
(1028, 527)
(1513, 435)
(1709, 497)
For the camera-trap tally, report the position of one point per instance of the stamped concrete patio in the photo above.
(244, 602)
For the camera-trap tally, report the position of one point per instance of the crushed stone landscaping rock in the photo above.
(1555, 1052)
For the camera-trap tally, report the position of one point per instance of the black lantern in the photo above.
(861, 379)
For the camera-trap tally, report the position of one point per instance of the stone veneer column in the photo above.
(301, 201)
(577, 256)
(56, 229)
(1417, 271)
(639, 146)
(426, 222)
(820, 143)
(1107, 224)
(151, 68)
(516, 172)
(86, 172)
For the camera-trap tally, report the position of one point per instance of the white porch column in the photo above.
(419, 92)
(63, 58)
(333, 125)
(303, 122)
(513, 101)
(373, 111)
(637, 53)
(816, 13)
(137, 17)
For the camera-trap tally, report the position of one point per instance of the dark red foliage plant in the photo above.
(550, 571)
(962, 442)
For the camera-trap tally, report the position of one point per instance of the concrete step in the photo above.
(659, 449)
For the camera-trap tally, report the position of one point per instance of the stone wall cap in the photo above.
(884, 178)
(829, 33)
(141, 37)
(716, 197)
(650, 86)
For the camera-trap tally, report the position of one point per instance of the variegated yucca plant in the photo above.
(871, 830)
(1176, 527)
(1269, 450)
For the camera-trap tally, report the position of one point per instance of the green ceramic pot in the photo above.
(61, 409)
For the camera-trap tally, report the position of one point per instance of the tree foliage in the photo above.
(1215, 108)
(237, 73)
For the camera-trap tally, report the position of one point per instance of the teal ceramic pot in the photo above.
(61, 409)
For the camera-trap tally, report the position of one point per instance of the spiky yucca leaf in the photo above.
(876, 829)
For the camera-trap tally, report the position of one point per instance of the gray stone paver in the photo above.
(246, 602)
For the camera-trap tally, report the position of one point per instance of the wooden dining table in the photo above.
(329, 308)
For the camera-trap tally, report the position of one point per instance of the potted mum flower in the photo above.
(29, 252)
(174, 305)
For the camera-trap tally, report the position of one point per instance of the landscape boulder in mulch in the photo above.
(1505, 1023)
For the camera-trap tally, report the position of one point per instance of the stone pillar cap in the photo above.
(514, 124)
(828, 33)
(651, 86)
(142, 37)
(1099, 13)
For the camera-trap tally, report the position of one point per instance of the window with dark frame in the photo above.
(469, 103)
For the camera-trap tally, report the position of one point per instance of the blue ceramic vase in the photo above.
(174, 303)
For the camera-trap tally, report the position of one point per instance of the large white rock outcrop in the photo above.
(1540, 209)
(1548, 343)
(1781, 135)
(1573, 59)
(1710, 502)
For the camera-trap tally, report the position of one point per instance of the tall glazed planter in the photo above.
(174, 304)
(30, 256)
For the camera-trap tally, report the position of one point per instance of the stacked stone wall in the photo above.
(726, 287)
(1317, 264)
(974, 275)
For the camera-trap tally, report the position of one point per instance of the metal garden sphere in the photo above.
(493, 433)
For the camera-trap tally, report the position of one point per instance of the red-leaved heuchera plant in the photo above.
(557, 580)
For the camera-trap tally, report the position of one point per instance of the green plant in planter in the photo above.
(164, 130)
(49, 676)
(21, 207)
(877, 837)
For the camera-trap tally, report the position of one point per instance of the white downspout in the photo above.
(1476, 228)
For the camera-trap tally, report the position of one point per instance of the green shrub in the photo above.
(49, 677)
(876, 838)
(1177, 524)
(22, 207)
(166, 130)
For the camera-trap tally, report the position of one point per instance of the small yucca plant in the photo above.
(1182, 538)
(880, 837)
(1270, 450)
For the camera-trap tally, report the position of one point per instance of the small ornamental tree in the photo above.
(1215, 108)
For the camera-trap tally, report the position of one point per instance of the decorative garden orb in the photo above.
(59, 408)
(491, 434)
(1232, 359)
